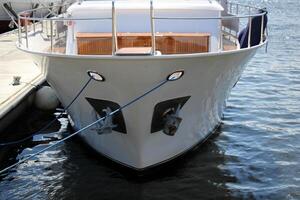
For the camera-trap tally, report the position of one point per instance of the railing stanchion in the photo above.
(42, 23)
(26, 32)
(221, 36)
(51, 35)
(19, 30)
(249, 31)
(262, 29)
(33, 15)
(34, 26)
(228, 31)
(114, 29)
(152, 28)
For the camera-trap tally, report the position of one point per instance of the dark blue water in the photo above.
(255, 154)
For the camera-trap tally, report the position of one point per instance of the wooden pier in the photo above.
(13, 62)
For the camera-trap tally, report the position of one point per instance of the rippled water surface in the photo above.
(255, 154)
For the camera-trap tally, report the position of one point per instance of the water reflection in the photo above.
(73, 171)
(88, 176)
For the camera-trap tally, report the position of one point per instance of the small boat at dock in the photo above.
(129, 46)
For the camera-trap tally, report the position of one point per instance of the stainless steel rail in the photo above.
(152, 28)
(114, 29)
(236, 16)
(250, 31)
(249, 16)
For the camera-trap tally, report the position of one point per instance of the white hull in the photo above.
(208, 80)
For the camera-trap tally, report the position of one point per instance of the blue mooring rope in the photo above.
(86, 127)
(51, 122)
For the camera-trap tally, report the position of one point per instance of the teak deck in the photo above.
(166, 43)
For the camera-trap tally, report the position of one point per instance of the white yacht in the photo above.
(133, 45)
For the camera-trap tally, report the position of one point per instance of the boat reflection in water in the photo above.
(71, 171)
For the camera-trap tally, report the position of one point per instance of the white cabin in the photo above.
(133, 16)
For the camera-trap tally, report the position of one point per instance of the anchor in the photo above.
(103, 108)
(105, 126)
(172, 121)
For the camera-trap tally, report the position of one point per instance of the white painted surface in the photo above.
(208, 80)
(15, 63)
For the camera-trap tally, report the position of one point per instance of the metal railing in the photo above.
(248, 16)
(29, 30)
(114, 29)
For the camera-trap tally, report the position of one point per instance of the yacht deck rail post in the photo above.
(230, 29)
(250, 30)
(51, 35)
(42, 23)
(26, 33)
(56, 31)
(19, 30)
(152, 28)
(236, 32)
(33, 21)
(262, 29)
(114, 29)
(221, 36)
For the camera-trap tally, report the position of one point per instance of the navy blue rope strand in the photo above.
(51, 122)
(85, 128)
